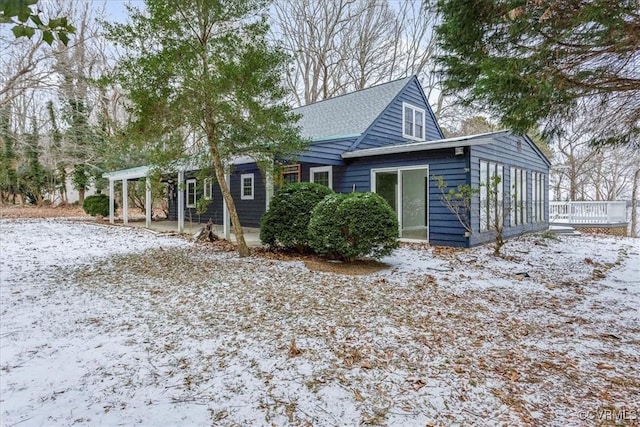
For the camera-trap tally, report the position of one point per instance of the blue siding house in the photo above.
(386, 139)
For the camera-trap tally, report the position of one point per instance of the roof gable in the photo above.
(387, 128)
(347, 115)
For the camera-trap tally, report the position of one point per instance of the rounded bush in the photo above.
(346, 226)
(286, 222)
(97, 204)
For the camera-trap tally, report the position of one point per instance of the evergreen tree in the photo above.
(60, 173)
(8, 174)
(32, 173)
(204, 68)
(80, 138)
(546, 62)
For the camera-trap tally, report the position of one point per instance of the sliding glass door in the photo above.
(407, 192)
(415, 185)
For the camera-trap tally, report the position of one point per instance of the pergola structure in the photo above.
(134, 174)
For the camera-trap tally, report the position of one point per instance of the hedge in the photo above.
(285, 224)
(347, 226)
(97, 204)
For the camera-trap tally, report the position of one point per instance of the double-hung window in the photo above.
(518, 196)
(191, 188)
(208, 189)
(412, 122)
(246, 186)
(322, 175)
(491, 195)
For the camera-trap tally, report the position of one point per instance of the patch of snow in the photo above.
(110, 325)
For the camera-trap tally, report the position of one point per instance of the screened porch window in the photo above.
(491, 195)
(518, 196)
(538, 180)
(290, 174)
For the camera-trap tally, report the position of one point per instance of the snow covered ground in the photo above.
(114, 326)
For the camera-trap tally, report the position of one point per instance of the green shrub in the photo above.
(346, 226)
(286, 222)
(97, 204)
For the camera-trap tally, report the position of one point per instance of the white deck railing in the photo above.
(588, 212)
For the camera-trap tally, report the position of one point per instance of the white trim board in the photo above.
(253, 186)
(322, 169)
(463, 141)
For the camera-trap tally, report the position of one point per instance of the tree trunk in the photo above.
(218, 167)
(573, 186)
(634, 204)
(81, 196)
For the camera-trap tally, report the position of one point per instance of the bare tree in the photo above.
(611, 173)
(587, 172)
(22, 66)
(574, 155)
(310, 30)
(366, 45)
(345, 45)
(55, 85)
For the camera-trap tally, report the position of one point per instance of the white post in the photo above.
(147, 203)
(180, 190)
(112, 197)
(125, 202)
(570, 212)
(226, 226)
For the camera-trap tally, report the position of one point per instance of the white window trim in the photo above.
(242, 178)
(208, 188)
(537, 183)
(321, 169)
(190, 182)
(493, 168)
(424, 115)
(399, 170)
(519, 189)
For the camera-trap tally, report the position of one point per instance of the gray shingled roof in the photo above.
(349, 114)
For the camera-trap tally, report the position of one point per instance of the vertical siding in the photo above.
(444, 227)
(510, 151)
(387, 129)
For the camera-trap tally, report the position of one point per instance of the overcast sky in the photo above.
(115, 9)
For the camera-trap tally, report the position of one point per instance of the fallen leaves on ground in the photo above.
(439, 337)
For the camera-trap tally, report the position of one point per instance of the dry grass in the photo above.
(396, 344)
(451, 337)
(31, 211)
(359, 267)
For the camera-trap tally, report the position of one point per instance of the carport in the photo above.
(144, 172)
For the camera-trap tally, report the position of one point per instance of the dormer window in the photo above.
(412, 122)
